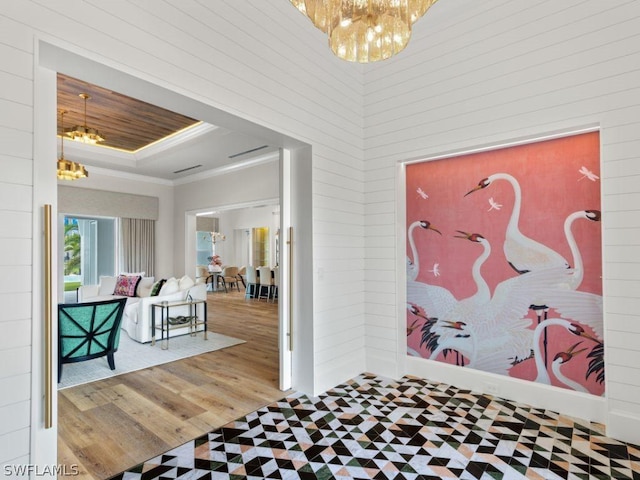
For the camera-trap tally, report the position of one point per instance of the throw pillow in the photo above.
(169, 287)
(155, 290)
(126, 285)
(186, 283)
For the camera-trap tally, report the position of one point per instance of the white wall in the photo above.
(481, 73)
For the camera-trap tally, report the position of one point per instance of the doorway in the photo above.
(52, 59)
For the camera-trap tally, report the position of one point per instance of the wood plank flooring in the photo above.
(110, 425)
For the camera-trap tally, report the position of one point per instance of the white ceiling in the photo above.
(201, 149)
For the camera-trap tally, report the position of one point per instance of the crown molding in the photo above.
(107, 172)
(178, 138)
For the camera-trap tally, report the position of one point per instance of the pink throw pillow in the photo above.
(126, 285)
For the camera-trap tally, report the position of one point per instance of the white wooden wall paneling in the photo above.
(228, 22)
(196, 53)
(453, 59)
(574, 102)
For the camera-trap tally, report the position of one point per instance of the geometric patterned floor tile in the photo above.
(376, 428)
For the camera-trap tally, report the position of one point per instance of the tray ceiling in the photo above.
(126, 123)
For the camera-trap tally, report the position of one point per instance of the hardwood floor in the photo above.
(110, 425)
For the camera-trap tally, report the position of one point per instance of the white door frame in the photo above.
(44, 438)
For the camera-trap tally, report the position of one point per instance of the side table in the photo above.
(192, 319)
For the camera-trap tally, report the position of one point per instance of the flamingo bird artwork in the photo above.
(413, 263)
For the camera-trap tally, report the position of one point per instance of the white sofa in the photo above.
(136, 320)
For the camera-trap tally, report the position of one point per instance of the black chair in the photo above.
(89, 330)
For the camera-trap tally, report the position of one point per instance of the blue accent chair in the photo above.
(89, 330)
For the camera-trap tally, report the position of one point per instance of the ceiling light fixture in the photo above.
(365, 30)
(83, 133)
(68, 170)
(217, 237)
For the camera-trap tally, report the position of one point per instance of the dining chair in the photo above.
(89, 330)
(275, 283)
(242, 272)
(252, 282)
(264, 277)
(229, 276)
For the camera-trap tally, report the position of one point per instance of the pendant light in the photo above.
(68, 170)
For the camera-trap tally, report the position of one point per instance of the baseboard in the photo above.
(623, 426)
(576, 404)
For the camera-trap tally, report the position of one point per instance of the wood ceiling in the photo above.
(124, 122)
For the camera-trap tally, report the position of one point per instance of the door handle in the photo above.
(48, 335)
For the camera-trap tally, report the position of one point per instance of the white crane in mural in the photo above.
(527, 255)
(438, 301)
(489, 352)
(575, 279)
(413, 263)
(566, 300)
(562, 357)
(495, 328)
(523, 253)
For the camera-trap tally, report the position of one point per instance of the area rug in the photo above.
(132, 356)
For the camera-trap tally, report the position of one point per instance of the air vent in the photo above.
(187, 169)
(248, 151)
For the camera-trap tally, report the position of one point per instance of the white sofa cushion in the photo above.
(107, 285)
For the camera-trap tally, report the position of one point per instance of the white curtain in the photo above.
(137, 245)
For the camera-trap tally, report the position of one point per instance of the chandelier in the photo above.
(68, 170)
(217, 237)
(83, 133)
(365, 30)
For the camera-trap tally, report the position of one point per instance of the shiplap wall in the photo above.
(482, 73)
(261, 60)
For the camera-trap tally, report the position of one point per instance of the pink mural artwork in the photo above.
(504, 262)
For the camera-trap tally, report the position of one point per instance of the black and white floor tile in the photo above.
(375, 428)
